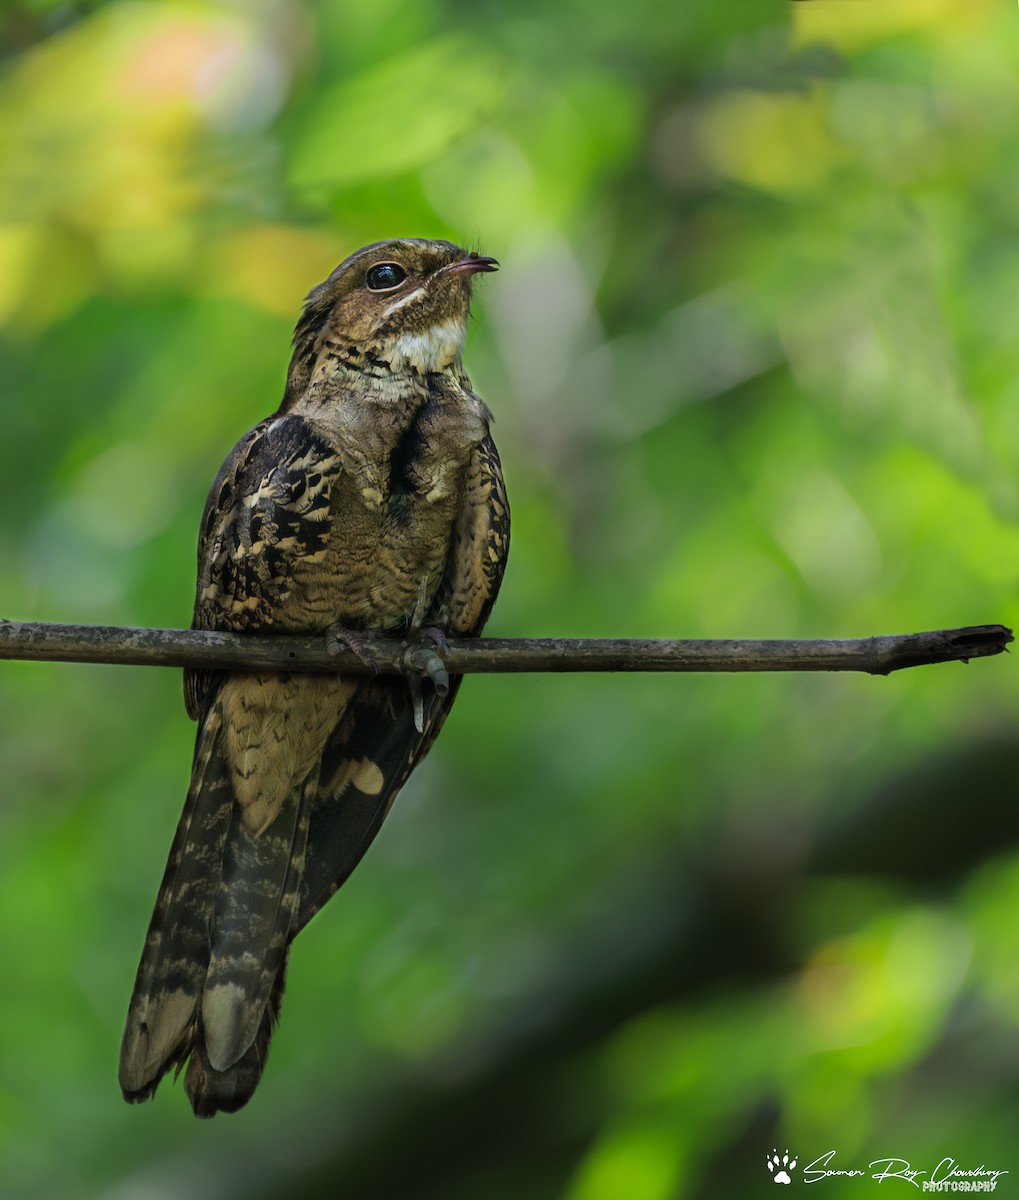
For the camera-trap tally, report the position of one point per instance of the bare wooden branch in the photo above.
(200, 648)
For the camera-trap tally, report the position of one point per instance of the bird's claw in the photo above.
(419, 658)
(435, 635)
(419, 661)
(340, 638)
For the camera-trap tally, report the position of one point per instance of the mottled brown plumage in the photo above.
(376, 483)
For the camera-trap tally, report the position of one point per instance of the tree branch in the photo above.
(210, 649)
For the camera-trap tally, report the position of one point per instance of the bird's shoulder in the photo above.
(268, 508)
(269, 505)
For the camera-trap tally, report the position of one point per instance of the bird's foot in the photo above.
(420, 658)
(433, 634)
(340, 638)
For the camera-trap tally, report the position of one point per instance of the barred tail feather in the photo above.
(212, 973)
(211, 979)
(172, 969)
(211, 1091)
(251, 927)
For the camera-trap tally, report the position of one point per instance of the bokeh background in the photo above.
(754, 362)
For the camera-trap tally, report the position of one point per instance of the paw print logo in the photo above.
(780, 1167)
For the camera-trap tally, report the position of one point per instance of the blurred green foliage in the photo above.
(755, 371)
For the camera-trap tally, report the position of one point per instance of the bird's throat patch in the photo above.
(433, 349)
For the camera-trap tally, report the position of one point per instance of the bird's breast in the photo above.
(379, 554)
(393, 510)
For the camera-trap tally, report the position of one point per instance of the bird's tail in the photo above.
(211, 1091)
(211, 977)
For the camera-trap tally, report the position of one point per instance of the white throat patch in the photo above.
(433, 350)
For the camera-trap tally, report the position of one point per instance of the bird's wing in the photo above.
(376, 745)
(480, 548)
(268, 508)
(224, 917)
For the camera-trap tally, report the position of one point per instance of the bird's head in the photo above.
(401, 304)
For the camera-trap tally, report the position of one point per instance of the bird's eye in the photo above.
(383, 277)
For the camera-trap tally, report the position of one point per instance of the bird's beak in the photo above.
(474, 264)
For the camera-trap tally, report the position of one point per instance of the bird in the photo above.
(370, 504)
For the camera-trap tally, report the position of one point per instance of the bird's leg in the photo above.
(419, 660)
(340, 638)
(417, 631)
